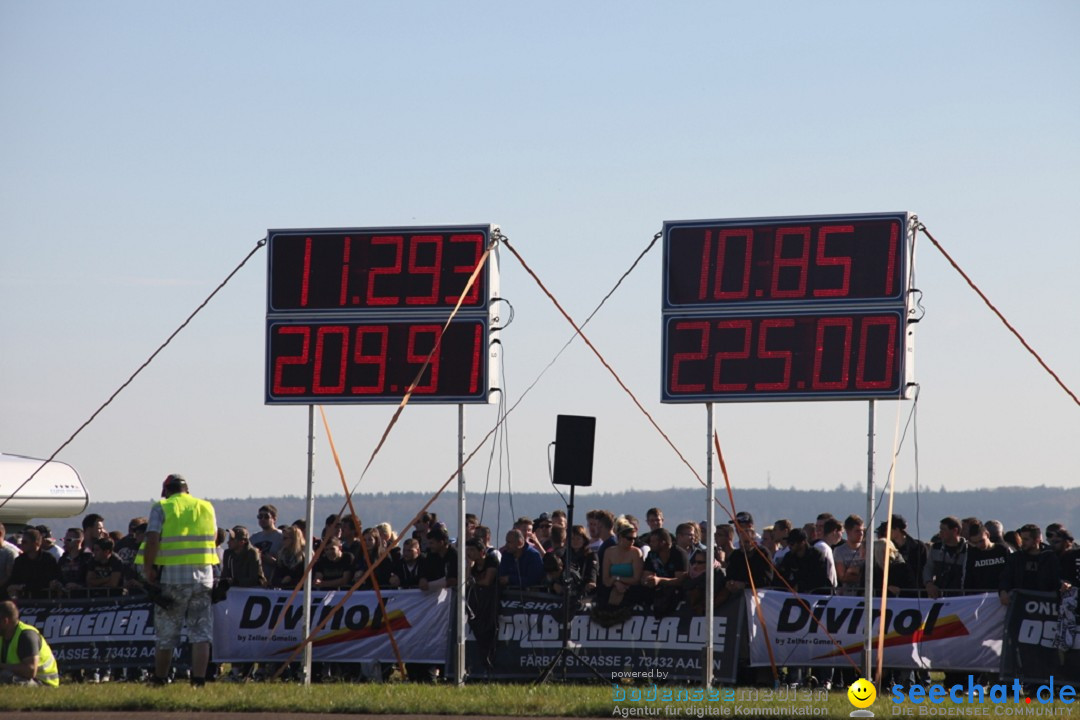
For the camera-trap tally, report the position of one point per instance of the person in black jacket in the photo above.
(805, 567)
(1032, 567)
(913, 551)
(985, 561)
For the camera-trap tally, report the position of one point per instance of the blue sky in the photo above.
(146, 148)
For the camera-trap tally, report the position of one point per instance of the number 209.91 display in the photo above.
(794, 308)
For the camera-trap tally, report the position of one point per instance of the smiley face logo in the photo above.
(862, 693)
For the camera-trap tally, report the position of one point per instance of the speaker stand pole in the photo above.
(560, 657)
(710, 552)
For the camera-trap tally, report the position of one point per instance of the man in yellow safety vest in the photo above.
(179, 554)
(25, 657)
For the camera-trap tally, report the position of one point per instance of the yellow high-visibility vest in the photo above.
(188, 534)
(48, 672)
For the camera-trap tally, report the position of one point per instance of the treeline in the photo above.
(1013, 506)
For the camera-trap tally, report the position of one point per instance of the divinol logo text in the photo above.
(906, 627)
(353, 622)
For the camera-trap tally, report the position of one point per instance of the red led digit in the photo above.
(844, 371)
(412, 356)
(842, 261)
(764, 353)
(477, 353)
(434, 269)
(679, 358)
(741, 354)
(887, 324)
(473, 296)
(743, 290)
(317, 386)
(344, 296)
(890, 270)
(281, 361)
(396, 242)
(780, 261)
(305, 281)
(378, 359)
(706, 251)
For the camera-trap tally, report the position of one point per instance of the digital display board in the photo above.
(352, 313)
(786, 308)
(375, 361)
(376, 269)
(792, 260)
(785, 356)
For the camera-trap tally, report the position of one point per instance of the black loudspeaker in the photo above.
(574, 437)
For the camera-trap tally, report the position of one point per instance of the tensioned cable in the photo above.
(997, 312)
(569, 342)
(776, 573)
(502, 419)
(603, 361)
(135, 374)
(890, 483)
(363, 545)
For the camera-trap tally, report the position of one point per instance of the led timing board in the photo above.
(352, 313)
(793, 308)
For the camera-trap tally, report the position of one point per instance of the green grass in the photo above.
(554, 699)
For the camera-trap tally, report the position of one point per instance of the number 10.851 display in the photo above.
(794, 308)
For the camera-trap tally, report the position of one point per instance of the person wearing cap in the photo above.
(128, 546)
(744, 523)
(914, 551)
(180, 555)
(48, 543)
(542, 530)
(804, 566)
(25, 656)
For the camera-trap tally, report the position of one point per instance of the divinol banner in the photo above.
(529, 635)
(96, 633)
(254, 625)
(957, 633)
(1041, 638)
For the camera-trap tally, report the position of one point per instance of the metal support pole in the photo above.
(868, 548)
(710, 553)
(310, 519)
(459, 599)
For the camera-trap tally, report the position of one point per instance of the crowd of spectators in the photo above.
(610, 565)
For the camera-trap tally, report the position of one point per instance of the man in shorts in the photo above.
(179, 555)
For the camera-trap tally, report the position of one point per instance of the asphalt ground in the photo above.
(144, 715)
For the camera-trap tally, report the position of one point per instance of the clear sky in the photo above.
(146, 147)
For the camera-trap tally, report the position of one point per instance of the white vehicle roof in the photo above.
(55, 492)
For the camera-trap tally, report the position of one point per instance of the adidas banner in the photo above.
(254, 625)
(956, 633)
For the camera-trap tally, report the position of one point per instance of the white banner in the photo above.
(957, 633)
(247, 627)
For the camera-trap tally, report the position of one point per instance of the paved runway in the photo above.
(145, 715)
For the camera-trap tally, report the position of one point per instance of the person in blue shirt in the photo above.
(521, 566)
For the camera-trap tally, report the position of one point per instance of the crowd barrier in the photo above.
(1036, 636)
